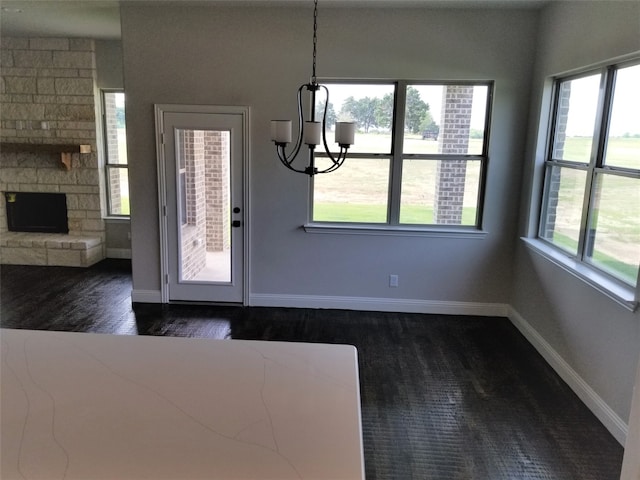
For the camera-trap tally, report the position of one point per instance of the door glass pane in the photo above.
(445, 119)
(613, 242)
(204, 197)
(442, 192)
(623, 141)
(356, 192)
(576, 117)
(370, 106)
(561, 220)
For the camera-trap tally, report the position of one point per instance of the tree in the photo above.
(362, 111)
(331, 113)
(416, 110)
(384, 111)
(427, 121)
(120, 117)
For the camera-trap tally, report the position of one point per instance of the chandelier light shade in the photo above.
(312, 132)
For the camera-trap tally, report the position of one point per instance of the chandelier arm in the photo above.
(288, 159)
(296, 150)
(342, 156)
(324, 122)
(337, 162)
(286, 162)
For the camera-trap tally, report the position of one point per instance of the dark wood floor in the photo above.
(443, 397)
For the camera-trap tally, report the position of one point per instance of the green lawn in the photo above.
(621, 152)
(625, 271)
(358, 192)
(617, 211)
(410, 215)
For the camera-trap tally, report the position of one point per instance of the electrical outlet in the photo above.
(393, 280)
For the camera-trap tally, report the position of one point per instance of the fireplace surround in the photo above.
(36, 212)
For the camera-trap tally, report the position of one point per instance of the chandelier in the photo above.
(312, 132)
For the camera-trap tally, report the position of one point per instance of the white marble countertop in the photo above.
(88, 406)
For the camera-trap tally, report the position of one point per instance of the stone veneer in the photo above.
(48, 96)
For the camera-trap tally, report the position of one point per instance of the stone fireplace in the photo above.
(48, 99)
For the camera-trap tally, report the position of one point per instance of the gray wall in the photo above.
(598, 338)
(258, 57)
(109, 64)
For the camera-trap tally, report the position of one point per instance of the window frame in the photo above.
(596, 168)
(396, 158)
(108, 166)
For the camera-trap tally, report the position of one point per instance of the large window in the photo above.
(116, 153)
(591, 203)
(419, 156)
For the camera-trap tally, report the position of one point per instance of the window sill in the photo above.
(401, 231)
(118, 219)
(622, 294)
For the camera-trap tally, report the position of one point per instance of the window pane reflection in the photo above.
(561, 222)
(623, 141)
(442, 192)
(613, 241)
(356, 192)
(575, 119)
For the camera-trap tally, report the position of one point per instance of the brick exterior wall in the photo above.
(111, 140)
(193, 231)
(217, 187)
(47, 96)
(553, 186)
(455, 127)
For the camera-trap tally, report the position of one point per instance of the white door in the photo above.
(201, 171)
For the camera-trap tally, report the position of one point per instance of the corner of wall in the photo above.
(616, 426)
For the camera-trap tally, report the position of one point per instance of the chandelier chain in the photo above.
(313, 135)
(315, 40)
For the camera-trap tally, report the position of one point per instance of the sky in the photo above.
(625, 116)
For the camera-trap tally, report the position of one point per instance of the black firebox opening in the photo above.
(37, 212)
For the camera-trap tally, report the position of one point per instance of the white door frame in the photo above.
(160, 110)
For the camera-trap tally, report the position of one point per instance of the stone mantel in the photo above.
(65, 150)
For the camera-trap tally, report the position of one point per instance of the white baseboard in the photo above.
(118, 253)
(379, 304)
(146, 296)
(588, 395)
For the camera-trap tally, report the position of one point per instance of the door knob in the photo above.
(236, 209)
(235, 223)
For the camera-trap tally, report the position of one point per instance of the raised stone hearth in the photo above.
(54, 249)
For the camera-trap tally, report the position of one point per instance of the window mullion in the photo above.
(397, 144)
(585, 243)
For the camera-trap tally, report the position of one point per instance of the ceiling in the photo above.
(101, 18)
